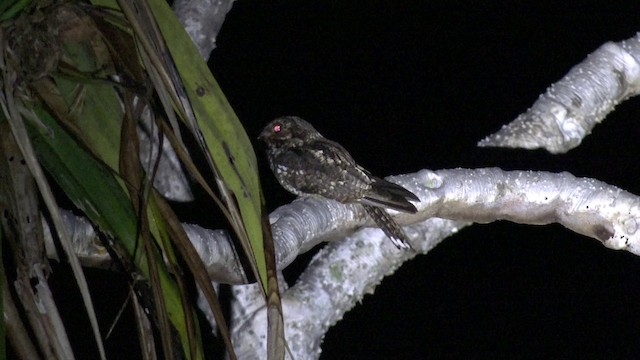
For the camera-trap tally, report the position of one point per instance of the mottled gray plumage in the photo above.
(306, 163)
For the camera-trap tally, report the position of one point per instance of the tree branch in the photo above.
(202, 20)
(333, 283)
(586, 206)
(566, 113)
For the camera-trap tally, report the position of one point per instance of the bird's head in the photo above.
(288, 131)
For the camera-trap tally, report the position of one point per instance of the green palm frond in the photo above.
(77, 79)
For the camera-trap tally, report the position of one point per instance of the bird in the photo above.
(306, 163)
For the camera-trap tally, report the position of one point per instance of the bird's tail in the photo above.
(390, 195)
(389, 226)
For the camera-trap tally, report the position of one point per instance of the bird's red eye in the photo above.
(277, 128)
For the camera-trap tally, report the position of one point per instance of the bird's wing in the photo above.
(324, 168)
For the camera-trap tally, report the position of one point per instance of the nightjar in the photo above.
(306, 163)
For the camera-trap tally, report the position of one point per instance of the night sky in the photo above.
(410, 85)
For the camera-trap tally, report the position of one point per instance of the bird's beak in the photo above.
(263, 135)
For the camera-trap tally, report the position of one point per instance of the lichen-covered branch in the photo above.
(586, 206)
(333, 283)
(202, 20)
(568, 111)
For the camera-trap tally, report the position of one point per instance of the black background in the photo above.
(410, 85)
(415, 84)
